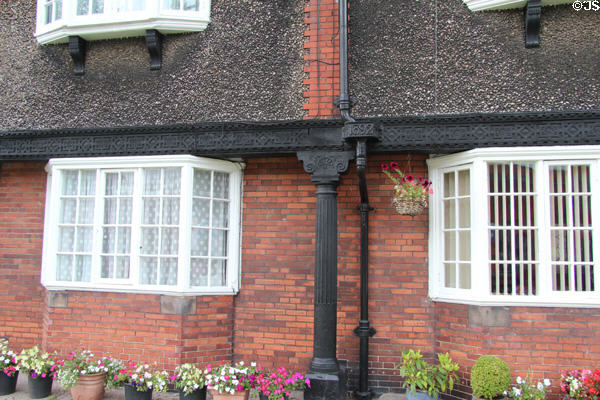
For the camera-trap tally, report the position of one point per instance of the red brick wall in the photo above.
(321, 59)
(22, 198)
(132, 327)
(540, 341)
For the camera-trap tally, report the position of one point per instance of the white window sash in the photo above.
(137, 164)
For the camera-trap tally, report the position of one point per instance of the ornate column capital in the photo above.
(325, 167)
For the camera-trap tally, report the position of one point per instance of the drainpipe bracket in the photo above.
(361, 130)
(346, 101)
(365, 207)
(364, 331)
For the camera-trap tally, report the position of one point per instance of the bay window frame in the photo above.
(105, 165)
(477, 160)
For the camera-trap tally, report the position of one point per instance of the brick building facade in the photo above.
(418, 70)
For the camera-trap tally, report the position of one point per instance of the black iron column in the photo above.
(325, 169)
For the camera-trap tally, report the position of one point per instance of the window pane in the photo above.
(201, 212)
(190, 5)
(170, 211)
(138, 5)
(48, 13)
(464, 213)
(465, 276)
(97, 6)
(201, 183)
(172, 183)
(69, 182)
(66, 238)
(220, 216)
(449, 214)
(83, 268)
(218, 245)
(464, 182)
(152, 181)
(107, 267)
(449, 184)
(125, 210)
(58, 10)
(108, 240)
(168, 271)
(171, 4)
(148, 270)
(149, 241)
(221, 185)
(68, 211)
(126, 184)
(112, 184)
(464, 245)
(124, 240)
(169, 241)
(450, 246)
(450, 275)
(200, 242)
(88, 183)
(151, 210)
(86, 211)
(199, 272)
(110, 211)
(84, 239)
(122, 268)
(64, 267)
(218, 275)
(82, 7)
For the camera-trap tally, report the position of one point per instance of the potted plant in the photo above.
(86, 376)
(425, 380)
(490, 377)
(576, 384)
(410, 192)
(232, 381)
(189, 380)
(8, 369)
(41, 371)
(139, 381)
(279, 385)
(524, 390)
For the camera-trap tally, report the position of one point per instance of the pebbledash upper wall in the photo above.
(437, 57)
(246, 65)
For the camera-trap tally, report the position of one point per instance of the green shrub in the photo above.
(420, 375)
(490, 377)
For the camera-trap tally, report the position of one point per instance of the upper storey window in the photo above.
(109, 19)
(482, 5)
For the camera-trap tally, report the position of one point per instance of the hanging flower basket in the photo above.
(409, 205)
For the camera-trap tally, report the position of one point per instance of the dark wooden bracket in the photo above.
(154, 44)
(533, 16)
(77, 49)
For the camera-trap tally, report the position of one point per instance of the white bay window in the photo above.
(515, 225)
(108, 19)
(158, 224)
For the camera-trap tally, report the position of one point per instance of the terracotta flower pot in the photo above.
(89, 387)
(226, 396)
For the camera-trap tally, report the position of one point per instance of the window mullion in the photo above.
(136, 228)
(480, 268)
(185, 228)
(595, 223)
(542, 217)
(98, 219)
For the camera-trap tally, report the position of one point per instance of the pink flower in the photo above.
(239, 388)
(394, 165)
(307, 381)
(385, 167)
(43, 375)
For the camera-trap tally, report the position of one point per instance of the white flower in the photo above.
(196, 386)
(134, 376)
(147, 375)
(516, 392)
(540, 386)
(253, 364)
(547, 382)
(519, 380)
(575, 385)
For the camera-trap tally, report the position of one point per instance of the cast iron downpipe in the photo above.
(360, 133)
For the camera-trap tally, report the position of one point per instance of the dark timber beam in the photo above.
(425, 134)
(324, 373)
(77, 50)
(533, 16)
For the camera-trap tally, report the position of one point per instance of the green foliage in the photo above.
(422, 376)
(35, 362)
(490, 377)
(188, 378)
